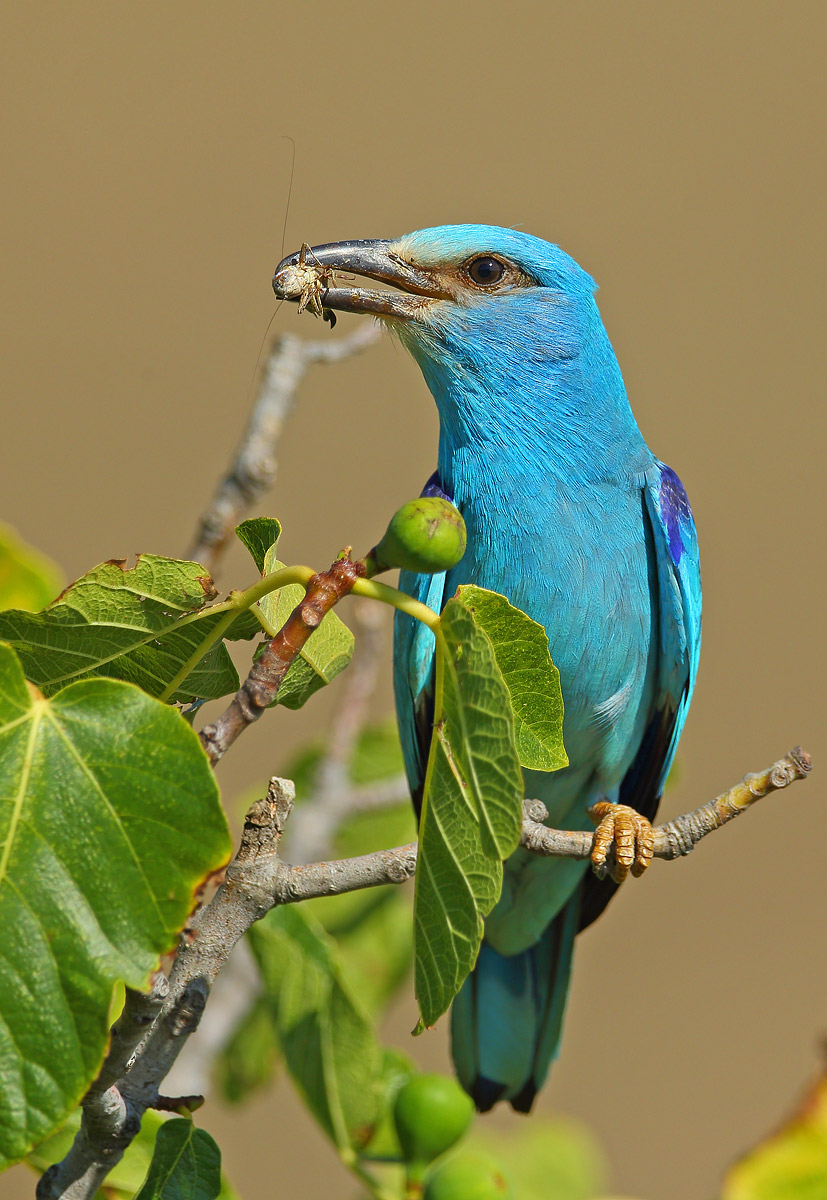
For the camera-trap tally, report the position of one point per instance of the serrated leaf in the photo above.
(125, 624)
(28, 579)
(259, 534)
(522, 654)
(471, 815)
(326, 1037)
(326, 652)
(109, 822)
(186, 1164)
(126, 1176)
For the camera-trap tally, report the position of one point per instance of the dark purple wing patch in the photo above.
(673, 503)
(434, 488)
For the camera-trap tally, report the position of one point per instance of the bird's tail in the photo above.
(507, 1019)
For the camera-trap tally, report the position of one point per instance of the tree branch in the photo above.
(678, 837)
(253, 471)
(256, 881)
(266, 674)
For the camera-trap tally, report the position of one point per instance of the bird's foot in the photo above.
(625, 830)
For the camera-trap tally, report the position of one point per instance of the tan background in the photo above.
(676, 151)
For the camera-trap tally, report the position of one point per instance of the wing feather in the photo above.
(678, 583)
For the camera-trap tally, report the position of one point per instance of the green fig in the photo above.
(467, 1176)
(426, 535)
(431, 1113)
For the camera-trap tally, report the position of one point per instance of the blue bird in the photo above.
(571, 516)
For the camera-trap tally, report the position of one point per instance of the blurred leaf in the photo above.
(397, 1069)
(111, 824)
(28, 579)
(521, 650)
(792, 1162)
(326, 1037)
(373, 927)
(326, 652)
(259, 534)
(377, 757)
(363, 832)
(186, 1164)
(125, 624)
(548, 1157)
(375, 940)
(126, 1177)
(249, 1060)
(471, 810)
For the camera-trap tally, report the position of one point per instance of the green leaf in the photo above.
(521, 649)
(377, 757)
(792, 1162)
(126, 1176)
(133, 625)
(259, 534)
(384, 1146)
(547, 1157)
(109, 823)
(471, 810)
(326, 652)
(249, 1060)
(326, 1037)
(186, 1164)
(28, 579)
(478, 729)
(374, 935)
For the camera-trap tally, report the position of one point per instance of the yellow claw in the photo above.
(631, 835)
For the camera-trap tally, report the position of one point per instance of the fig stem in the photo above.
(396, 599)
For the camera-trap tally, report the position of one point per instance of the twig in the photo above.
(253, 470)
(266, 674)
(107, 1127)
(235, 992)
(675, 838)
(255, 881)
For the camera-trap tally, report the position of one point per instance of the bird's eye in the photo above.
(485, 271)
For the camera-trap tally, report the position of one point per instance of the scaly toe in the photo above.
(631, 835)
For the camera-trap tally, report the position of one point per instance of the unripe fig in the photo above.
(426, 535)
(467, 1176)
(431, 1113)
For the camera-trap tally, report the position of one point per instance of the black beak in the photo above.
(314, 269)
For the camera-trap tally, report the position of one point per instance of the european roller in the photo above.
(571, 516)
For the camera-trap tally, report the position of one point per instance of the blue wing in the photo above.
(677, 576)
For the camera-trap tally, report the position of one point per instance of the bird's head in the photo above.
(499, 321)
(449, 283)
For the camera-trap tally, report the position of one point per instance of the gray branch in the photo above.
(253, 471)
(153, 1029)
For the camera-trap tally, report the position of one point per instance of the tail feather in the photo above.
(507, 1020)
